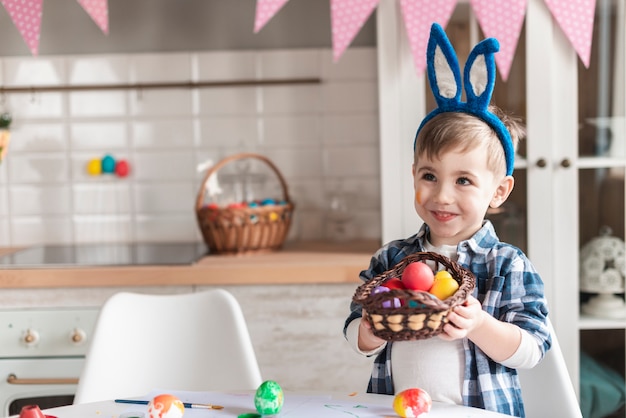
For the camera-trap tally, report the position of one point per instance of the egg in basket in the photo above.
(397, 313)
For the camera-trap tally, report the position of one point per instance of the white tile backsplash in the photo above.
(37, 167)
(40, 105)
(38, 137)
(103, 228)
(98, 135)
(102, 199)
(44, 200)
(26, 72)
(162, 133)
(97, 104)
(35, 230)
(104, 69)
(322, 137)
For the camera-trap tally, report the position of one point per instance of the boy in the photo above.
(463, 164)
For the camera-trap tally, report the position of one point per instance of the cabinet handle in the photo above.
(541, 163)
(14, 380)
(566, 163)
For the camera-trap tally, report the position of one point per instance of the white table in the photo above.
(297, 405)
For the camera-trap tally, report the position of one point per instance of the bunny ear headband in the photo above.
(479, 78)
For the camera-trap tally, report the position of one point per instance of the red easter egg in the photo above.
(418, 276)
(412, 403)
(121, 168)
(394, 283)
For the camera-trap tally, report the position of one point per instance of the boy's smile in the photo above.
(453, 193)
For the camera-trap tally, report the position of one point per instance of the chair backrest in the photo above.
(547, 388)
(195, 342)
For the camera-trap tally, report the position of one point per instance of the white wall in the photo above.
(323, 137)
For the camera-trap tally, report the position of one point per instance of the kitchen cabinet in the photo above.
(569, 170)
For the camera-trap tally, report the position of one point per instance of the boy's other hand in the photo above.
(367, 340)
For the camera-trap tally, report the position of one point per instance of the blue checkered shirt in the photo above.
(508, 287)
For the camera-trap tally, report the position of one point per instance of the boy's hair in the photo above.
(462, 131)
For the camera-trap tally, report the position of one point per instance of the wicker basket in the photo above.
(244, 229)
(421, 315)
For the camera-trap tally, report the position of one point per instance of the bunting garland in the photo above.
(26, 15)
(501, 19)
(347, 18)
(265, 10)
(575, 17)
(98, 10)
(420, 14)
(503, 23)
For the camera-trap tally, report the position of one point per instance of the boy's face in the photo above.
(452, 194)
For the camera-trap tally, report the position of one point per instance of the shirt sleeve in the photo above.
(352, 335)
(527, 354)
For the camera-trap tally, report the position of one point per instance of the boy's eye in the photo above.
(463, 181)
(429, 177)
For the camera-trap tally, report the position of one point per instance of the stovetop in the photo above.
(109, 254)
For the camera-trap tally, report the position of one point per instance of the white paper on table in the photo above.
(295, 406)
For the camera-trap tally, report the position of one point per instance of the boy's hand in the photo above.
(463, 320)
(367, 340)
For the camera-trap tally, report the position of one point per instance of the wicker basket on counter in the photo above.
(420, 314)
(244, 228)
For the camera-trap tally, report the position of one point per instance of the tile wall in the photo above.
(323, 138)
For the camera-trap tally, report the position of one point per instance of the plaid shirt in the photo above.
(508, 287)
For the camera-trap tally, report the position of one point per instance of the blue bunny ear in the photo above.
(444, 73)
(479, 79)
(480, 74)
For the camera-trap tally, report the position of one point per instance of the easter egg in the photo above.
(108, 164)
(394, 283)
(165, 406)
(122, 168)
(444, 285)
(268, 399)
(412, 403)
(94, 167)
(418, 276)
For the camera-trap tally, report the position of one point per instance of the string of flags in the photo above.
(26, 15)
(501, 19)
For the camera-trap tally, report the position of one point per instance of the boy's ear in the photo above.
(502, 192)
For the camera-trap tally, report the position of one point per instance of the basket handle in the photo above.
(234, 157)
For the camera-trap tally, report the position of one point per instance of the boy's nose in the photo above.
(443, 195)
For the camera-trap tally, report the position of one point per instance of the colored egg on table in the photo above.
(165, 406)
(269, 398)
(412, 403)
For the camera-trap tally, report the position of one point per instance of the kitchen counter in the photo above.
(297, 263)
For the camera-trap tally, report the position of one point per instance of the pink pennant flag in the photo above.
(347, 17)
(99, 12)
(419, 15)
(503, 20)
(575, 17)
(26, 15)
(265, 10)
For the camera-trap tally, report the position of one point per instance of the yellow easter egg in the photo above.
(94, 167)
(444, 285)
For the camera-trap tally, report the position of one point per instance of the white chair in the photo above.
(547, 388)
(195, 342)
